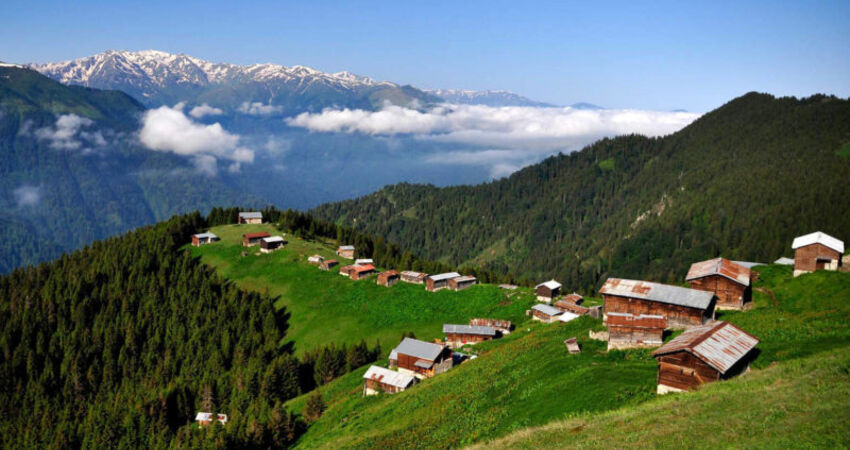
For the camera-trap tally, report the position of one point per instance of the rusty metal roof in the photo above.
(469, 329)
(818, 237)
(638, 321)
(389, 377)
(464, 279)
(568, 306)
(363, 268)
(657, 292)
(720, 266)
(719, 344)
(412, 274)
(255, 235)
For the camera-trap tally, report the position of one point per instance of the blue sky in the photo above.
(658, 55)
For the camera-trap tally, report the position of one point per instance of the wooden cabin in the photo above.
(545, 313)
(250, 217)
(345, 251)
(461, 283)
(361, 272)
(205, 419)
(315, 260)
(421, 359)
(502, 326)
(252, 239)
(388, 278)
(328, 264)
(729, 281)
(204, 239)
(548, 291)
(382, 380)
(627, 330)
(409, 276)
(460, 335)
(434, 283)
(682, 307)
(272, 243)
(816, 251)
(703, 354)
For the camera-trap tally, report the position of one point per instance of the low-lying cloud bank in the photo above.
(68, 134)
(27, 195)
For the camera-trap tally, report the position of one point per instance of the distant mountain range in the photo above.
(489, 98)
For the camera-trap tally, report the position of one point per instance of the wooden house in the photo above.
(409, 276)
(421, 359)
(251, 239)
(461, 283)
(627, 330)
(315, 260)
(816, 251)
(545, 313)
(388, 278)
(205, 419)
(703, 354)
(345, 251)
(682, 307)
(729, 281)
(361, 272)
(250, 217)
(328, 264)
(363, 261)
(548, 291)
(272, 243)
(434, 283)
(460, 335)
(382, 380)
(502, 326)
(204, 239)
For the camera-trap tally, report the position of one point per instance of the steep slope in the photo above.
(741, 181)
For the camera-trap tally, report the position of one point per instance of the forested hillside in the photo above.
(741, 181)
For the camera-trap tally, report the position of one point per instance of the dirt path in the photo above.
(769, 294)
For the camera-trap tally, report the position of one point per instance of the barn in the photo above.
(728, 280)
(502, 326)
(345, 251)
(627, 330)
(461, 283)
(704, 354)
(682, 307)
(328, 264)
(383, 380)
(434, 283)
(361, 272)
(547, 291)
(545, 313)
(816, 251)
(409, 276)
(205, 419)
(251, 239)
(251, 217)
(421, 359)
(272, 243)
(460, 335)
(315, 260)
(388, 278)
(204, 239)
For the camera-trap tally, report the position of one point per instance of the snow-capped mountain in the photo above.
(156, 77)
(488, 98)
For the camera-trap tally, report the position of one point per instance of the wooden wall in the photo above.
(677, 316)
(805, 258)
(730, 295)
(684, 371)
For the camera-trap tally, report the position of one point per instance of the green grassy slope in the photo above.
(325, 307)
(528, 379)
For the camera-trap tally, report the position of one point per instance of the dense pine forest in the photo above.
(741, 182)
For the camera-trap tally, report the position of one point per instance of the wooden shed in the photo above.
(703, 354)
(460, 335)
(567, 306)
(345, 251)
(461, 283)
(382, 380)
(816, 251)
(250, 217)
(328, 264)
(346, 270)
(547, 291)
(272, 243)
(502, 326)
(729, 281)
(545, 313)
(434, 283)
(251, 239)
(315, 260)
(421, 359)
(409, 276)
(204, 239)
(682, 307)
(388, 278)
(627, 330)
(361, 272)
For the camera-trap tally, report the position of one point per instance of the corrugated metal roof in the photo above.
(722, 267)
(423, 364)
(469, 329)
(656, 292)
(575, 298)
(346, 247)
(785, 261)
(251, 215)
(273, 239)
(419, 349)
(255, 235)
(551, 284)
(205, 235)
(568, 306)
(387, 376)
(465, 279)
(719, 344)
(363, 261)
(748, 264)
(412, 274)
(363, 268)
(818, 237)
(546, 309)
(444, 276)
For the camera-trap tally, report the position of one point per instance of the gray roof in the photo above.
(785, 261)
(469, 329)
(390, 377)
(551, 284)
(818, 237)
(749, 264)
(206, 235)
(465, 278)
(444, 276)
(423, 364)
(251, 215)
(656, 292)
(346, 247)
(419, 349)
(546, 309)
(273, 239)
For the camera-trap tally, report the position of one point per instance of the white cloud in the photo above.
(205, 110)
(65, 133)
(500, 162)
(27, 195)
(258, 109)
(169, 129)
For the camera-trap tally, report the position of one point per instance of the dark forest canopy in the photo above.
(741, 182)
